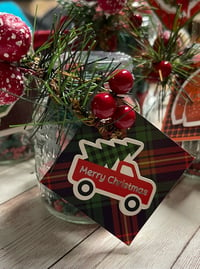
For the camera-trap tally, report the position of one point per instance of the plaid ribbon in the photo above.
(161, 160)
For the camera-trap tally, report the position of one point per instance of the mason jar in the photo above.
(16, 144)
(48, 146)
(193, 147)
(51, 139)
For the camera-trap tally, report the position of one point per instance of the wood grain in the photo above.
(16, 178)
(31, 238)
(159, 244)
(190, 256)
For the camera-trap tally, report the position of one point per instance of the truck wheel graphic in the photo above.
(131, 205)
(84, 189)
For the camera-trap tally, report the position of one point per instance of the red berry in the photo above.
(103, 105)
(15, 37)
(165, 67)
(11, 81)
(161, 70)
(124, 117)
(136, 19)
(121, 82)
(112, 6)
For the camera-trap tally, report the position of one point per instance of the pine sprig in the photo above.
(60, 72)
(170, 46)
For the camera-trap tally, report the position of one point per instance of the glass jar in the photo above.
(155, 105)
(196, 29)
(47, 147)
(193, 147)
(15, 147)
(50, 140)
(15, 142)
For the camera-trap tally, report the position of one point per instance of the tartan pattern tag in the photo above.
(182, 119)
(119, 182)
(178, 132)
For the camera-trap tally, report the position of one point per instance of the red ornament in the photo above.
(136, 19)
(15, 37)
(124, 117)
(103, 105)
(122, 82)
(111, 6)
(161, 70)
(11, 81)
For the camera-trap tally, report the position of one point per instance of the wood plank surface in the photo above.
(190, 256)
(159, 245)
(31, 238)
(16, 178)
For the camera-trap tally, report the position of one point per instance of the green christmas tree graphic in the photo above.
(106, 153)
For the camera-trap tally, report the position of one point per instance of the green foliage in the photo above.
(60, 70)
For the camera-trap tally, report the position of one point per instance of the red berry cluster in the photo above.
(161, 69)
(15, 41)
(105, 105)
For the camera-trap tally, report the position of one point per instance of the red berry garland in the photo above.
(103, 105)
(108, 105)
(112, 6)
(11, 82)
(121, 82)
(124, 117)
(15, 38)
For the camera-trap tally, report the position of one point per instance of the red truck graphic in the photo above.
(125, 184)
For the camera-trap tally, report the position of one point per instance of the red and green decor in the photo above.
(118, 167)
(166, 10)
(118, 183)
(182, 122)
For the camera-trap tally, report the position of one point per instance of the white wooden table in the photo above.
(31, 238)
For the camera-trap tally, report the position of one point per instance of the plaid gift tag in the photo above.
(119, 182)
(182, 118)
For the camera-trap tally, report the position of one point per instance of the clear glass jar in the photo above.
(15, 142)
(193, 147)
(16, 147)
(155, 105)
(48, 147)
(196, 29)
